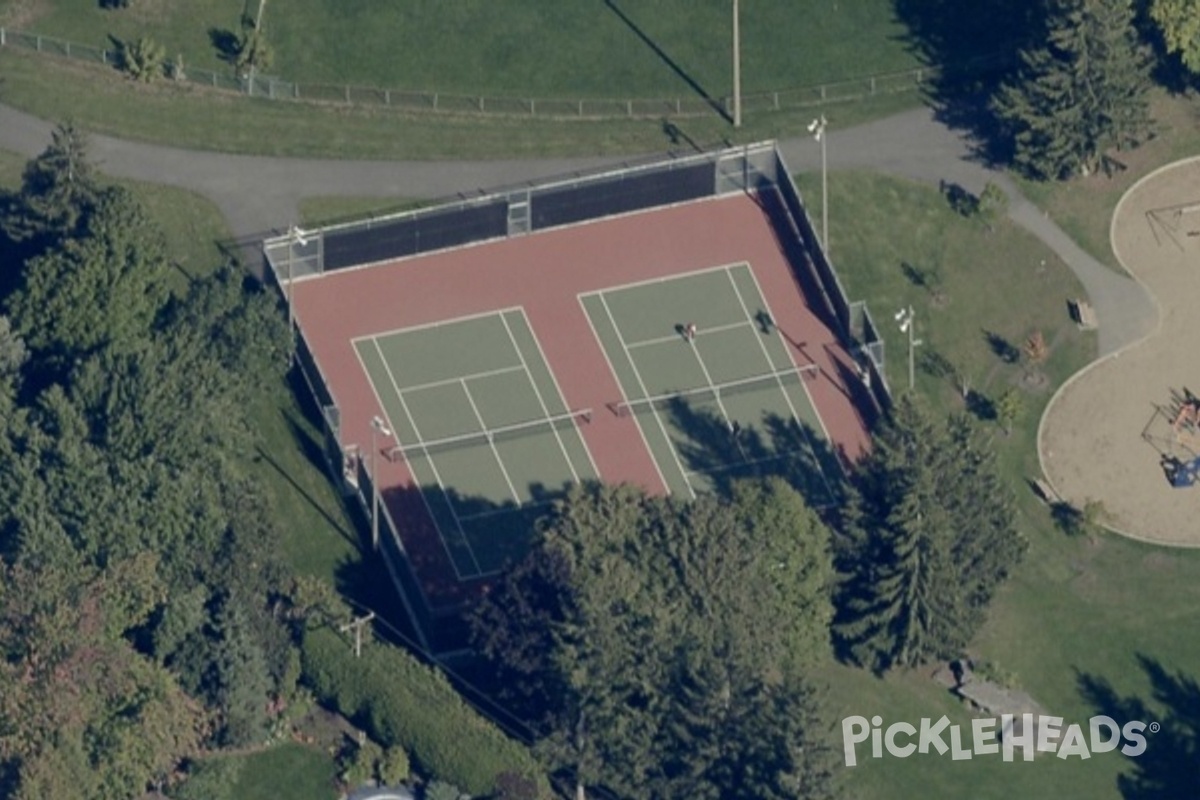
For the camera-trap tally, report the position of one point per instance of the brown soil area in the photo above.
(1106, 433)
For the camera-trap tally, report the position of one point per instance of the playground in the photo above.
(1126, 430)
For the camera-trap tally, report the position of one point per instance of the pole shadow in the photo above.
(715, 104)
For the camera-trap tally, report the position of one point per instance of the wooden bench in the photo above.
(1083, 314)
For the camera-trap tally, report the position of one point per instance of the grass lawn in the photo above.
(288, 771)
(1080, 611)
(100, 100)
(1083, 207)
(331, 209)
(513, 47)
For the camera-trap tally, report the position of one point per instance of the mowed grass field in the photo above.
(541, 48)
(1080, 612)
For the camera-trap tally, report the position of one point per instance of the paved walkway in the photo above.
(260, 194)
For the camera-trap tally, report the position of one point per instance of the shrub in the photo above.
(144, 59)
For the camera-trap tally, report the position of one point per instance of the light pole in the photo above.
(908, 324)
(817, 129)
(378, 426)
(295, 237)
(737, 69)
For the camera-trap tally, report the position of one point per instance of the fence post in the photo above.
(872, 84)
(68, 44)
(629, 107)
(387, 97)
(532, 109)
(481, 102)
(435, 101)
(39, 44)
(3, 40)
(271, 89)
(822, 93)
(347, 94)
(776, 94)
(581, 108)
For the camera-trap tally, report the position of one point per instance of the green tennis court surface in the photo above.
(480, 420)
(729, 403)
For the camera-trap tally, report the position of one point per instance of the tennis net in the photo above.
(716, 391)
(556, 423)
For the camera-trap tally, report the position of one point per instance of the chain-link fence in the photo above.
(275, 88)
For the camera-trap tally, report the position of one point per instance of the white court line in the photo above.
(557, 388)
(779, 379)
(485, 374)
(492, 444)
(677, 337)
(439, 324)
(663, 279)
(428, 457)
(420, 491)
(638, 375)
(624, 397)
(541, 402)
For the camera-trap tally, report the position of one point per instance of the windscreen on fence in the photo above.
(420, 233)
(609, 195)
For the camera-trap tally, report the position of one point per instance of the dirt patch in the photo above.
(1105, 435)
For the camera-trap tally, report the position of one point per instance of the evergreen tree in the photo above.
(58, 190)
(931, 536)
(102, 287)
(1081, 93)
(1179, 23)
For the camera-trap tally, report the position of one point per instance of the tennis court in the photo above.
(724, 402)
(476, 414)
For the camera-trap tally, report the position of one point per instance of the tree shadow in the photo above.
(973, 48)
(227, 44)
(695, 86)
(774, 446)
(1002, 348)
(980, 406)
(1170, 766)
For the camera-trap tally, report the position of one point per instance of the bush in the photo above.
(404, 703)
(393, 767)
(440, 790)
(143, 60)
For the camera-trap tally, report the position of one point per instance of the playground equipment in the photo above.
(1182, 474)
(1169, 220)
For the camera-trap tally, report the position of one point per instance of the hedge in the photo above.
(403, 702)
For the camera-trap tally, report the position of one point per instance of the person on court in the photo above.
(689, 331)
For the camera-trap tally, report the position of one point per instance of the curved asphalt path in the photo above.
(259, 194)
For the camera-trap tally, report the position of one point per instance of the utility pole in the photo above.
(295, 236)
(817, 129)
(737, 69)
(357, 625)
(257, 39)
(908, 324)
(378, 426)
